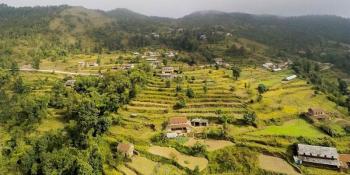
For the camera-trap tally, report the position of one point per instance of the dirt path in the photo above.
(58, 72)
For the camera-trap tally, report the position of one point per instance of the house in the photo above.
(155, 35)
(291, 78)
(126, 149)
(199, 122)
(317, 155)
(268, 65)
(203, 37)
(219, 61)
(317, 113)
(70, 83)
(168, 70)
(171, 54)
(179, 125)
(153, 61)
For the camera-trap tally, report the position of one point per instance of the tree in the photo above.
(36, 63)
(250, 118)
(165, 62)
(262, 88)
(178, 88)
(190, 93)
(167, 83)
(98, 60)
(343, 86)
(14, 68)
(347, 104)
(236, 72)
(19, 86)
(205, 88)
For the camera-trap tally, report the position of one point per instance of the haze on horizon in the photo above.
(179, 8)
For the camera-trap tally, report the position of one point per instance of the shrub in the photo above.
(233, 159)
(333, 130)
(250, 118)
(262, 88)
(168, 84)
(190, 93)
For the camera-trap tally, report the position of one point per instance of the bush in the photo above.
(233, 159)
(333, 130)
(168, 84)
(190, 93)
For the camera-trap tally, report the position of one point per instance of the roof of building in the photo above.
(317, 151)
(178, 126)
(124, 147)
(316, 110)
(200, 120)
(315, 160)
(167, 68)
(177, 120)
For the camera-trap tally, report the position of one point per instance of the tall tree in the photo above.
(236, 72)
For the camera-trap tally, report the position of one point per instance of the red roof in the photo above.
(177, 120)
(180, 126)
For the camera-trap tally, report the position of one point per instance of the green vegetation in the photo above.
(48, 126)
(294, 128)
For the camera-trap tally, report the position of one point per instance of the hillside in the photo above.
(80, 30)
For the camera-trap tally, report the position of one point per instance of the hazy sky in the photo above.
(179, 8)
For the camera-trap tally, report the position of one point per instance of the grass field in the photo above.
(276, 164)
(184, 160)
(294, 128)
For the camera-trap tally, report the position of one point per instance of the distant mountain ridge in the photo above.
(77, 29)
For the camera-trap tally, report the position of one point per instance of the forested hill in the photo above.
(277, 31)
(50, 32)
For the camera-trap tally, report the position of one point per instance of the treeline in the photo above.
(88, 111)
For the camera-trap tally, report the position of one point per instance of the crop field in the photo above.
(157, 100)
(276, 164)
(294, 128)
(184, 160)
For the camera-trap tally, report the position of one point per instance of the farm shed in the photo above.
(199, 122)
(317, 155)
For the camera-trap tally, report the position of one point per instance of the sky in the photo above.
(179, 8)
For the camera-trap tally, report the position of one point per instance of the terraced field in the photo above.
(157, 100)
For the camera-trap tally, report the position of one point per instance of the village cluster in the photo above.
(183, 127)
